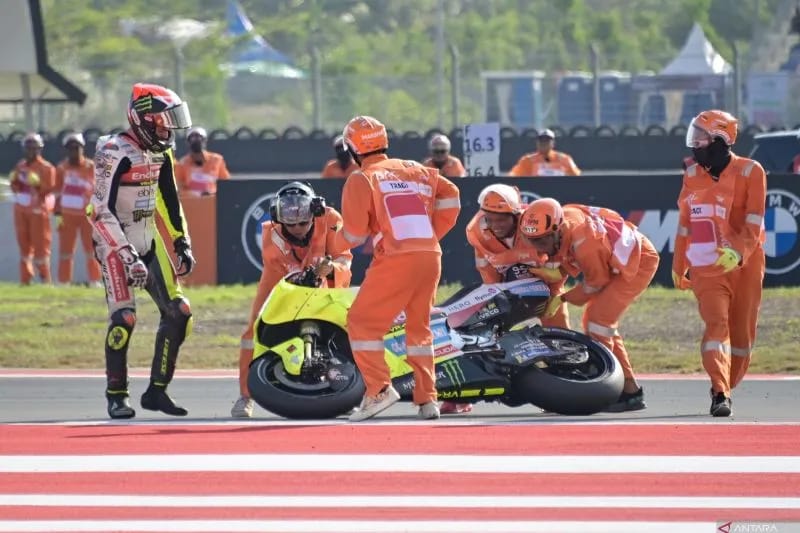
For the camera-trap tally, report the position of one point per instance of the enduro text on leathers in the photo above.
(127, 179)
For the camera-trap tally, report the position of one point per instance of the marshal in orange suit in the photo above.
(719, 250)
(32, 182)
(74, 186)
(405, 208)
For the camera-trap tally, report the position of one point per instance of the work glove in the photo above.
(324, 267)
(135, 269)
(183, 251)
(33, 179)
(552, 306)
(680, 281)
(548, 275)
(729, 259)
(59, 221)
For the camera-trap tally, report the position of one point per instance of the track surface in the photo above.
(64, 467)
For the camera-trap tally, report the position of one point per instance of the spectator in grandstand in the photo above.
(545, 161)
(719, 244)
(617, 262)
(198, 171)
(448, 165)
(405, 208)
(33, 182)
(302, 232)
(74, 187)
(343, 164)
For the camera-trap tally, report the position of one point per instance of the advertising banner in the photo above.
(648, 201)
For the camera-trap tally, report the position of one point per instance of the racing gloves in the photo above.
(183, 251)
(135, 269)
(729, 259)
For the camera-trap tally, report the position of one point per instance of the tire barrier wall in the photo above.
(250, 152)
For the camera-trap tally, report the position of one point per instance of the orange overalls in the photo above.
(74, 185)
(201, 180)
(554, 164)
(281, 257)
(405, 208)
(493, 257)
(452, 168)
(334, 170)
(728, 212)
(31, 217)
(618, 263)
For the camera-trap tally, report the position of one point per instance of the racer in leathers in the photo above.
(134, 177)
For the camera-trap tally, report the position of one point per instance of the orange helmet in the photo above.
(543, 216)
(365, 135)
(709, 124)
(500, 198)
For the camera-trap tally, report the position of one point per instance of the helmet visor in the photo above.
(697, 137)
(293, 209)
(174, 118)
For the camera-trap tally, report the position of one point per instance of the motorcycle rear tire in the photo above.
(563, 396)
(300, 406)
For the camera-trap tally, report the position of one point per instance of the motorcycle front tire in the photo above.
(284, 403)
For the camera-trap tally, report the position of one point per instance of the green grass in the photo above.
(64, 327)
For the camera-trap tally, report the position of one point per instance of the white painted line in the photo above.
(354, 526)
(416, 502)
(503, 464)
(225, 373)
(95, 374)
(525, 418)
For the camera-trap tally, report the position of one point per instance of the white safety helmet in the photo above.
(74, 137)
(440, 142)
(500, 198)
(197, 130)
(34, 138)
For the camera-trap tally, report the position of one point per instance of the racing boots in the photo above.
(155, 398)
(119, 405)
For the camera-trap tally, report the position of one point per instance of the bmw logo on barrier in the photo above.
(254, 217)
(782, 222)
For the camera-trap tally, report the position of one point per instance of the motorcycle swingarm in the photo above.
(523, 349)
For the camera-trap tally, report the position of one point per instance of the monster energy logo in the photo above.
(452, 369)
(144, 103)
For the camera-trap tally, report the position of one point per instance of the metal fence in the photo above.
(520, 99)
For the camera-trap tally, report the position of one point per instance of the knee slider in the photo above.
(180, 314)
(120, 328)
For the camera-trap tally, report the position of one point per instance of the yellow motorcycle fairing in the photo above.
(290, 303)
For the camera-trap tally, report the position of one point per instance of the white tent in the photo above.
(25, 75)
(697, 57)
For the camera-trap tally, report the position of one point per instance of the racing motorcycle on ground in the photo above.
(303, 366)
